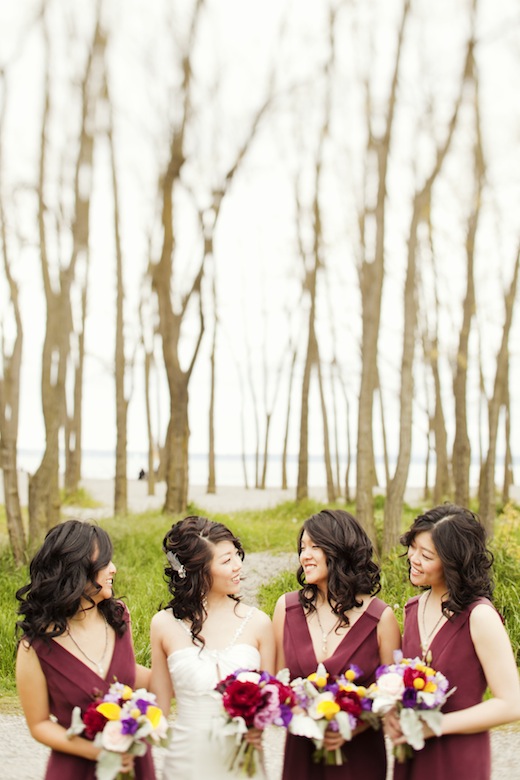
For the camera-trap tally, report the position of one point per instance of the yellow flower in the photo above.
(110, 710)
(135, 713)
(362, 690)
(418, 683)
(127, 693)
(430, 687)
(154, 715)
(319, 680)
(328, 709)
(429, 672)
(350, 675)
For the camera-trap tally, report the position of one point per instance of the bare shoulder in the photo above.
(484, 617)
(162, 621)
(258, 617)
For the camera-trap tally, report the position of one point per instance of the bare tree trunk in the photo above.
(287, 419)
(10, 384)
(331, 493)
(461, 457)
(148, 362)
(421, 206)
(120, 481)
(371, 274)
(212, 481)
(74, 421)
(508, 455)
(486, 494)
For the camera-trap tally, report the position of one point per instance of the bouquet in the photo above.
(328, 702)
(252, 700)
(122, 721)
(417, 692)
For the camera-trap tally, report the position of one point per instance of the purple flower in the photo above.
(409, 697)
(142, 705)
(129, 725)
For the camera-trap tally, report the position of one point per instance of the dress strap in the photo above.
(241, 627)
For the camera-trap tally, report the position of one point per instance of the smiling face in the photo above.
(426, 568)
(225, 568)
(314, 562)
(105, 579)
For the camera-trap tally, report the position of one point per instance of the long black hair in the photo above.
(460, 542)
(62, 575)
(348, 552)
(192, 542)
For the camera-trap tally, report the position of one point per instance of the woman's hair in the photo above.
(348, 552)
(190, 547)
(460, 542)
(62, 574)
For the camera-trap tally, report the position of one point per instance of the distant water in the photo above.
(229, 468)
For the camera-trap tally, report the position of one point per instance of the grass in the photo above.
(137, 554)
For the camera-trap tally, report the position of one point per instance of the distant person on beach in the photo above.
(454, 628)
(337, 620)
(142, 474)
(204, 633)
(76, 641)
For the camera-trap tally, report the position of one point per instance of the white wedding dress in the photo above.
(196, 752)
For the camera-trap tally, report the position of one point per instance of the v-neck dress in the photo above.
(197, 750)
(70, 683)
(464, 756)
(365, 755)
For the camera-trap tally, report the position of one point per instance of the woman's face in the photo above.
(314, 562)
(225, 569)
(426, 568)
(105, 579)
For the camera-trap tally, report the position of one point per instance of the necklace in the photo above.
(324, 634)
(425, 642)
(101, 669)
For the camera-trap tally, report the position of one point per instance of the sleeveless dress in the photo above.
(196, 751)
(365, 755)
(70, 684)
(464, 756)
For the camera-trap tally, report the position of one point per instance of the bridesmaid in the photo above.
(454, 627)
(335, 619)
(76, 641)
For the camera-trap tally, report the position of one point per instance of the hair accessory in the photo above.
(176, 564)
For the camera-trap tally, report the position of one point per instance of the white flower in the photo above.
(252, 677)
(391, 684)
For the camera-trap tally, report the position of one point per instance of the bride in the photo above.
(204, 633)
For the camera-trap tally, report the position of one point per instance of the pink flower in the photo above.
(113, 739)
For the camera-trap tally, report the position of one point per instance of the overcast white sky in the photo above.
(257, 265)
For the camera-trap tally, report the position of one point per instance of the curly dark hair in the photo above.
(192, 540)
(62, 574)
(348, 552)
(460, 541)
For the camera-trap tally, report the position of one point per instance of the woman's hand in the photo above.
(332, 740)
(392, 727)
(254, 737)
(127, 763)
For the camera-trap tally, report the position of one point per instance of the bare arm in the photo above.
(388, 636)
(160, 680)
(266, 644)
(278, 625)
(34, 698)
(494, 652)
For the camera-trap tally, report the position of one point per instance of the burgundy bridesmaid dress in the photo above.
(364, 756)
(70, 684)
(461, 756)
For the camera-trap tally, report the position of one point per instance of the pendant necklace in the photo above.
(425, 643)
(324, 634)
(101, 669)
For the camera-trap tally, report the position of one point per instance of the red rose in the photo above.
(349, 701)
(242, 699)
(94, 721)
(286, 695)
(410, 675)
